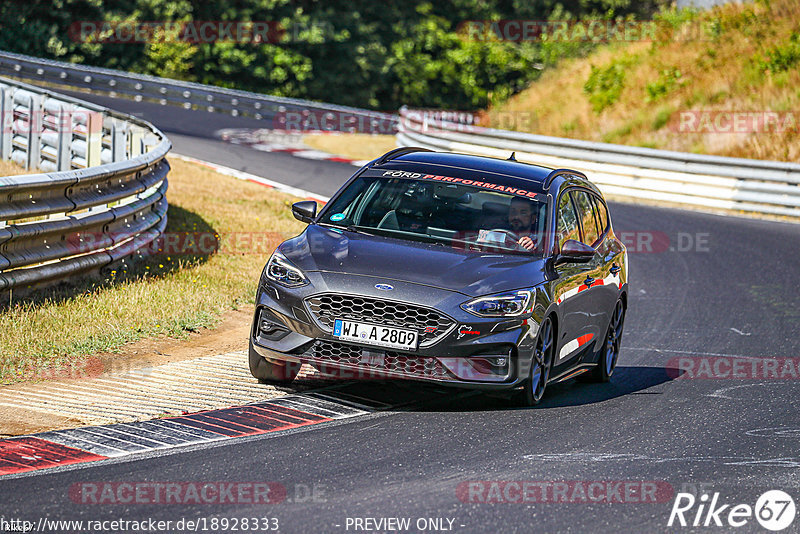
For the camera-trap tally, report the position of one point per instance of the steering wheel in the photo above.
(516, 238)
(509, 233)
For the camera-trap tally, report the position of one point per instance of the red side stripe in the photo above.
(291, 412)
(272, 417)
(259, 183)
(27, 454)
(211, 425)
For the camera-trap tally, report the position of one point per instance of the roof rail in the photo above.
(556, 172)
(397, 152)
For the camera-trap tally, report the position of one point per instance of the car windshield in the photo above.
(462, 216)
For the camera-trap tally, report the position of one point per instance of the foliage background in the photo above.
(365, 53)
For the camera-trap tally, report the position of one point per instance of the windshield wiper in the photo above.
(358, 230)
(350, 228)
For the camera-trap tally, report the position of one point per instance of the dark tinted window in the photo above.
(465, 216)
(566, 221)
(583, 203)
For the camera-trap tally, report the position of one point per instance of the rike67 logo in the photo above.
(774, 510)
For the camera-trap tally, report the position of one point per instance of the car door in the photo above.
(608, 285)
(592, 234)
(578, 327)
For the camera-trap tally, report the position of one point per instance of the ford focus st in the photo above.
(456, 269)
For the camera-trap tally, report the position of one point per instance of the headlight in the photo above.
(281, 270)
(511, 304)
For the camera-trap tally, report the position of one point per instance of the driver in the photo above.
(523, 219)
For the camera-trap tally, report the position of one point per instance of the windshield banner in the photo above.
(500, 188)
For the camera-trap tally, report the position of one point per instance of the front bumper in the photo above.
(286, 327)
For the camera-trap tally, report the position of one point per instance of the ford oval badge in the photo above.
(384, 287)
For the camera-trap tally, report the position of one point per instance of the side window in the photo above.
(567, 222)
(583, 203)
(602, 214)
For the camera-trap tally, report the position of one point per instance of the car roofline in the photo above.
(396, 153)
(544, 183)
(558, 172)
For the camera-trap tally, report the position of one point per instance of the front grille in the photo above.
(325, 308)
(407, 364)
(336, 352)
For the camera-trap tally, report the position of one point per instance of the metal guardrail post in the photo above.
(81, 215)
(119, 140)
(94, 139)
(26, 128)
(6, 119)
(135, 141)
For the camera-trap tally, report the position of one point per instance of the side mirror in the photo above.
(304, 211)
(574, 252)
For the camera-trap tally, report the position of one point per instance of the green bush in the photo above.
(667, 80)
(605, 84)
(781, 58)
(661, 118)
(362, 53)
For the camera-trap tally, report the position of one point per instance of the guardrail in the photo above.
(272, 109)
(102, 198)
(769, 187)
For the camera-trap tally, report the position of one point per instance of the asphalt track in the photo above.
(732, 297)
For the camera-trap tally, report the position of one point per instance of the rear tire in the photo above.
(609, 354)
(271, 373)
(541, 363)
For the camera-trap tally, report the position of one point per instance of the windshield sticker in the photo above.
(337, 217)
(474, 183)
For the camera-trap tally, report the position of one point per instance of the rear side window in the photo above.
(584, 205)
(567, 225)
(602, 214)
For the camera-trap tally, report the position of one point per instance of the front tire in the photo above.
(271, 373)
(542, 362)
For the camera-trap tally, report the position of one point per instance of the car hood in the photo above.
(384, 258)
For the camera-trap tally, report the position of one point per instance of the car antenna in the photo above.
(511, 157)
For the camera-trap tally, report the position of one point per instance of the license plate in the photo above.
(372, 334)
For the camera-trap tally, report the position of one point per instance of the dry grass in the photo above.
(161, 295)
(9, 168)
(721, 70)
(352, 146)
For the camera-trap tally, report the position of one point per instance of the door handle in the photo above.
(615, 269)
